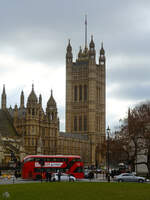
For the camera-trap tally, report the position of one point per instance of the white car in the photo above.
(63, 177)
(129, 177)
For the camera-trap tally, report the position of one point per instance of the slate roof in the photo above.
(6, 125)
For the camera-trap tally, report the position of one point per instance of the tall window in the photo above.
(85, 92)
(43, 131)
(75, 123)
(33, 111)
(80, 123)
(52, 116)
(85, 123)
(32, 141)
(80, 92)
(75, 93)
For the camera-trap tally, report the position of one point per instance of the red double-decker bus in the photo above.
(36, 166)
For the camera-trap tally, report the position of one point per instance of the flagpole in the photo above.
(85, 31)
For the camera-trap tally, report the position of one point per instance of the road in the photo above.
(99, 178)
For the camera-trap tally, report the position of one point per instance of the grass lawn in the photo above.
(77, 191)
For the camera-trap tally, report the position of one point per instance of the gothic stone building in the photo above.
(31, 130)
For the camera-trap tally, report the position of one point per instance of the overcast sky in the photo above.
(33, 39)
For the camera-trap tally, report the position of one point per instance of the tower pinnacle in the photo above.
(3, 99)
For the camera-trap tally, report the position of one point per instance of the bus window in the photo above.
(28, 160)
(37, 159)
(78, 170)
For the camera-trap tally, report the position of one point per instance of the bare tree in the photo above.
(135, 133)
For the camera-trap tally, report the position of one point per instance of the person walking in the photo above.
(59, 176)
(49, 176)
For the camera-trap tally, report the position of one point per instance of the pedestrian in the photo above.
(108, 177)
(16, 174)
(91, 175)
(59, 176)
(96, 174)
(49, 176)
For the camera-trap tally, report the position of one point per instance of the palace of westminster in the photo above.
(28, 129)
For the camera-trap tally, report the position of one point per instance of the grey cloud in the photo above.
(134, 92)
(37, 31)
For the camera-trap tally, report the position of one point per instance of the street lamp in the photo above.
(108, 175)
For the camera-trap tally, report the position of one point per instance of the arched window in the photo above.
(80, 92)
(75, 123)
(33, 112)
(75, 93)
(52, 115)
(85, 92)
(85, 123)
(80, 123)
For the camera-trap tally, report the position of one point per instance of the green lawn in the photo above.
(77, 191)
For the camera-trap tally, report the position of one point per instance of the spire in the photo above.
(80, 53)
(3, 99)
(32, 87)
(102, 51)
(92, 45)
(51, 101)
(102, 55)
(22, 100)
(32, 99)
(69, 53)
(40, 99)
(92, 49)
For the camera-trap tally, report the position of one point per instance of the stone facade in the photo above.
(35, 131)
(85, 97)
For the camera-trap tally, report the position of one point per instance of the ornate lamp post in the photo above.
(108, 160)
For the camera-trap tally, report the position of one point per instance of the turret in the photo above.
(22, 100)
(32, 103)
(15, 114)
(51, 110)
(40, 100)
(69, 53)
(3, 99)
(92, 49)
(80, 53)
(102, 56)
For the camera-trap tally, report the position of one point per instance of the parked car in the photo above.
(129, 177)
(63, 177)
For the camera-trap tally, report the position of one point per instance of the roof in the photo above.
(32, 97)
(55, 156)
(74, 135)
(6, 124)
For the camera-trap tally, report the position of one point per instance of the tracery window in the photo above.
(75, 123)
(80, 123)
(85, 92)
(75, 93)
(85, 123)
(80, 92)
